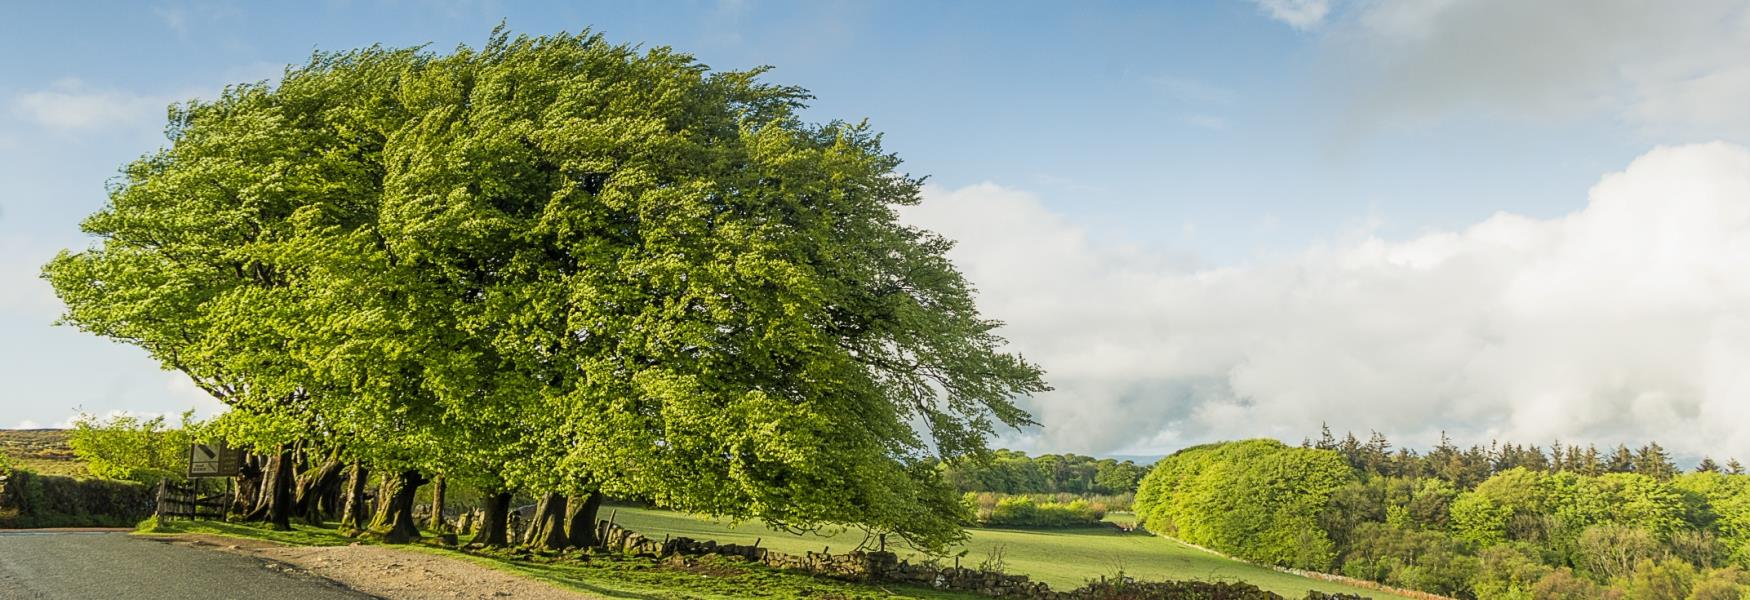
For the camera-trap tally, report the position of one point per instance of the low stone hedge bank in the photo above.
(29, 500)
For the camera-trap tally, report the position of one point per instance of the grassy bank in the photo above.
(1063, 558)
(608, 576)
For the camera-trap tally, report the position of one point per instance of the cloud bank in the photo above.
(1665, 69)
(1300, 14)
(70, 105)
(1625, 321)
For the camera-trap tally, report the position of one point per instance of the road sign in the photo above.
(213, 460)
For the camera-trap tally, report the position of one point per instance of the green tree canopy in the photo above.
(560, 263)
(1258, 499)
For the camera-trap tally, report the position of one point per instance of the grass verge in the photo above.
(597, 574)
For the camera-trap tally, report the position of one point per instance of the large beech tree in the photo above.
(572, 268)
(186, 267)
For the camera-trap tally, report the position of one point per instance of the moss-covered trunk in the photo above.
(248, 485)
(315, 489)
(394, 518)
(495, 521)
(581, 523)
(273, 503)
(437, 504)
(547, 527)
(355, 513)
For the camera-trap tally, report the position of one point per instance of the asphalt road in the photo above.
(86, 566)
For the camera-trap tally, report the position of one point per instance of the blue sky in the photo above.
(1187, 155)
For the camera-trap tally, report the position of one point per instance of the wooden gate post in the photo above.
(158, 511)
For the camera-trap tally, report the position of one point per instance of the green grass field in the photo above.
(1064, 558)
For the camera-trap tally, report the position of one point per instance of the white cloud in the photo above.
(1625, 321)
(1300, 14)
(1664, 69)
(71, 105)
(66, 423)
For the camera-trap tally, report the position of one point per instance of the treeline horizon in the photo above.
(1448, 461)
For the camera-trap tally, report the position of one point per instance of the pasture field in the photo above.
(44, 451)
(1063, 558)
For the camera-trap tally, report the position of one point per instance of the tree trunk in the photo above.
(437, 504)
(314, 487)
(495, 521)
(394, 519)
(332, 497)
(581, 525)
(355, 512)
(547, 528)
(274, 503)
(248, 482)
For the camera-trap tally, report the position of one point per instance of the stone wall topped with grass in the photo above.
(29, 500)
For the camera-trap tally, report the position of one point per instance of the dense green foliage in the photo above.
(561, 266)
(1506, 522)
(1258, 499)
(1013, 472)
(132, 448)
(1033, 512)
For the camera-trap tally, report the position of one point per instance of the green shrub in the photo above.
(1509, 572)
(1478, 520)
(1663, 580)
(993, 510)
(1611, 551)
(1721, 584)
(1561, 584)
(1430, 561)
(130, 448)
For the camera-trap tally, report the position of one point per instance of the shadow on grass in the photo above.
(558, 576)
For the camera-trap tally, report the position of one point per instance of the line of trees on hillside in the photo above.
(1014, 472)
(555, 266)
(1485, 523)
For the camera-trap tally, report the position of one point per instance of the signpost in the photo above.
(214, 461)
(184, 500)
